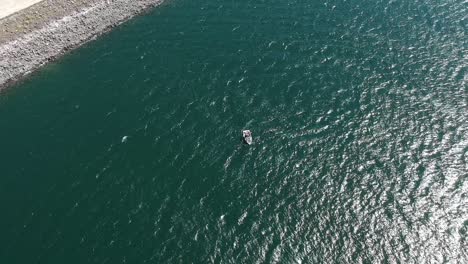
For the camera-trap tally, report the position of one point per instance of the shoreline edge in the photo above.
(49, 29)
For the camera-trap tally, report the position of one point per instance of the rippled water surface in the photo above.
(128, 150)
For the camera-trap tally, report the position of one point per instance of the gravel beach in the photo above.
(39, 34)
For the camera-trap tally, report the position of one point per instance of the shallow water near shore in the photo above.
(128, 149)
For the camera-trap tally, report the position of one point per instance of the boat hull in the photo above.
(247, 136)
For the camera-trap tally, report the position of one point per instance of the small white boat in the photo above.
(247, 135)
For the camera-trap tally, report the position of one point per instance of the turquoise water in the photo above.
(128, 149)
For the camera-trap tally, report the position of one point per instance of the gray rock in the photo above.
(62, 26)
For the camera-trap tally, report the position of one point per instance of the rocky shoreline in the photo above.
(47, 30)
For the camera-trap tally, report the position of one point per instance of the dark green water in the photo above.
(360, 122)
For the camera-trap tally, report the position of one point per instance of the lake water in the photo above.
(128, 149)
